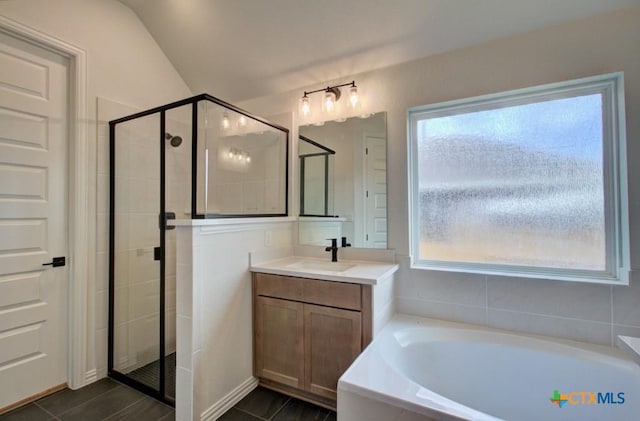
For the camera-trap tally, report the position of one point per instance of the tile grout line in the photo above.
(48, 412)
(172, 413)
(554, 316)
(280, 409)
(248, 413)
(89, 400)
(125, 408)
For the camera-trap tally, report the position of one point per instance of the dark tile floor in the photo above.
(266, 405)
(109, 400)
(105, 399)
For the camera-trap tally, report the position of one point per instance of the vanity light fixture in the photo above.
(331, 96)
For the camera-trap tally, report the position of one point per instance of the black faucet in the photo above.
(333, 249)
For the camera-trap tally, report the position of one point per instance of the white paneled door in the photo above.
(33, 220)
(376, 193)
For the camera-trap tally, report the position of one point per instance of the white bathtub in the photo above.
(423, 369)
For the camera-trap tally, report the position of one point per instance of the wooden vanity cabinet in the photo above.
(307, 332)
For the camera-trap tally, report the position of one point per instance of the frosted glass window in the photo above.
(519, 183)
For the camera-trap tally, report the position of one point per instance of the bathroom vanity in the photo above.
(312, 318)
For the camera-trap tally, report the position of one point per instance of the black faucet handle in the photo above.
(344, 242)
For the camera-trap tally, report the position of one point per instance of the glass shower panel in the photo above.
(136, 264)
(177, 181)
(243, 162)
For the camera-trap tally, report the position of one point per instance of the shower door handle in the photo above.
(157, 253)
(166, 217)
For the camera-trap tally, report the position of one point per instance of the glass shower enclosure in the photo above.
(196, 158)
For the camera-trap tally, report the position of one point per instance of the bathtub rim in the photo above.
(354, 378)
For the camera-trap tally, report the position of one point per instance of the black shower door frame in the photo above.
(160, 393)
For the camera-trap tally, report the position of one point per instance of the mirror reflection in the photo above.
(316, 178)
(344, 193)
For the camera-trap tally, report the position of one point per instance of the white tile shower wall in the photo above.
(215, 333)
(107, 110)
(138, 188)
(583, 312)
(178, 201)
(245, 188)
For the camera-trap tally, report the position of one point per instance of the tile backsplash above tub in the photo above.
(578, 311)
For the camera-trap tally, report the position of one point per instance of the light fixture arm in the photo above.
(333, 89)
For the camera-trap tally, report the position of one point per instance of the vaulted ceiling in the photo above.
(240, 49)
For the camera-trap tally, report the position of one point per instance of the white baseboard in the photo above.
(101, 373)
(90, 376)
(216, 410)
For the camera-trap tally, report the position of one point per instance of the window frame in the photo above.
(616, 215)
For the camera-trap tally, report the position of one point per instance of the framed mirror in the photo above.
(350, 183)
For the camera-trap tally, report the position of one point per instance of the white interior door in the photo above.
(375, 193)
(33, 219)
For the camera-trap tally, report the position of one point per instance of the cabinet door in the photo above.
(333, 339)
(279, 335)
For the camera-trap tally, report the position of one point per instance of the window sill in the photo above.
(534, 273)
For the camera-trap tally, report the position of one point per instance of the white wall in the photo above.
(126, 65)
(598, 45)
(215, 316)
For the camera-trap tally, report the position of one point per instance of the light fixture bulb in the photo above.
(329, 101)
(231, 154)
(248, 158)
(242, 121)
(225, 122)
(305, 107)
(353, 96)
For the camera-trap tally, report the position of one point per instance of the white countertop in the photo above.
(360, 272)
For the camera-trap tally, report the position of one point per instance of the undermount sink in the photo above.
(318, 265)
